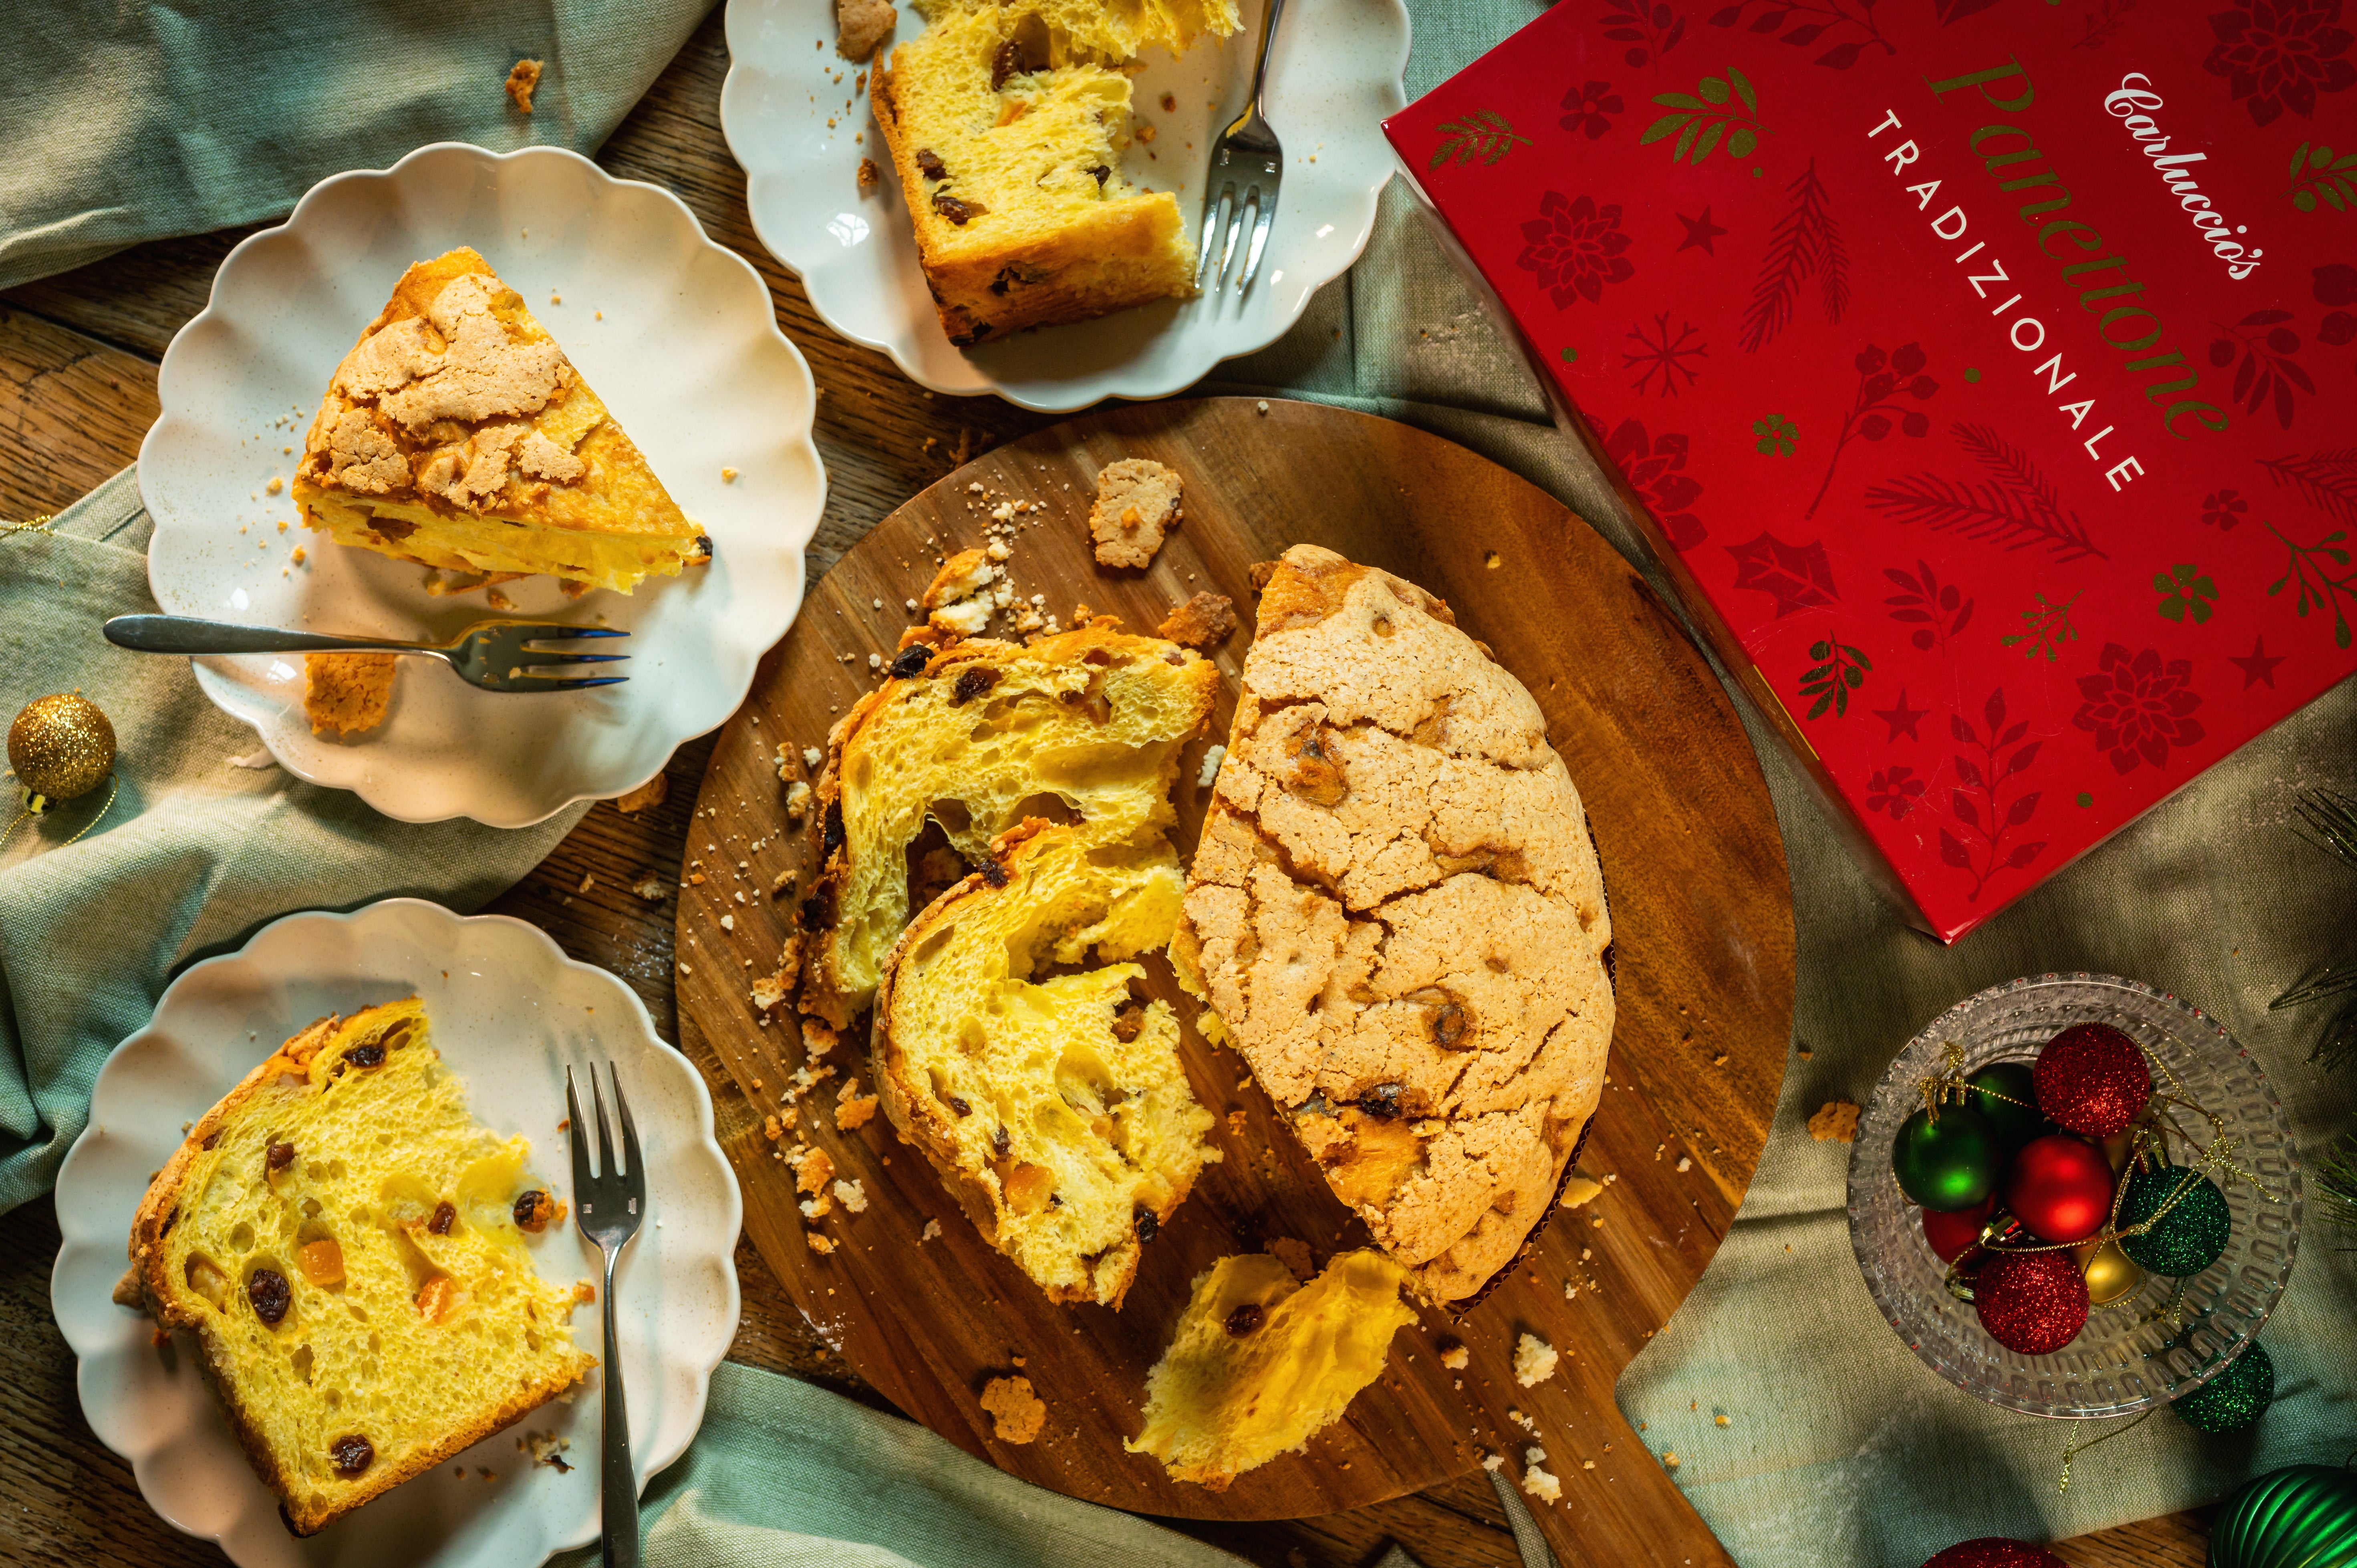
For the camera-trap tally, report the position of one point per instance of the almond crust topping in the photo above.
(1398, 917)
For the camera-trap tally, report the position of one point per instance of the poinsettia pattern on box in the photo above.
(2025, 496)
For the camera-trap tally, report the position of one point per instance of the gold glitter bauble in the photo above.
(2111, 1274)
(61, 746)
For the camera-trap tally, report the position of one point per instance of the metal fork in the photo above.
(608, 1208)
(1247, 150)
(496, 655)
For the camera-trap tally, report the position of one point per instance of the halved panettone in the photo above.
(973, 737)
(457, 434)
(1396, 914)
(1056, 1110)
(1006, 124)
(1260, 1363)
(347, 1244)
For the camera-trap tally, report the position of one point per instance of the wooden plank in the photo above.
(72, 411)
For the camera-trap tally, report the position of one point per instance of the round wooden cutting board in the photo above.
(1703, 931)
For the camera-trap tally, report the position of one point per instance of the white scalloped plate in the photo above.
(688, 356)
(509, 1011)
(795, 121)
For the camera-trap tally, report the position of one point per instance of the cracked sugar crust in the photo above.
(1397, 914)
(1136, 504)
(454, 349)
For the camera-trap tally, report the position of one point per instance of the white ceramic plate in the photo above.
(796, 123)
(687, 355)
(509, 1012)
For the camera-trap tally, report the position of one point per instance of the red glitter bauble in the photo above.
(1952, 1235)
(2092, 1078)
(2060, 1187)
(1995, 1552)
(2032, 1303)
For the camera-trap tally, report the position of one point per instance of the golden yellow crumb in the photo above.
(521, 79)
(1017, 1414)
(651, 794)
(1835, 1123)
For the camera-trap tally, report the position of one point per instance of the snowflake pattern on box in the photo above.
(1906, 429)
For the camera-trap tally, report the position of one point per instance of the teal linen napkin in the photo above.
(1841, 1447)
(127, 122)
(195, 852)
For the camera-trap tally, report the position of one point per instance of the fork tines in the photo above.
(608, 1196)
(1227, 217)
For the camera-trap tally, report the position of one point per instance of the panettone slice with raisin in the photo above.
(347, 1244)
(458, 434)
(1086, 723)
(1054, 1105)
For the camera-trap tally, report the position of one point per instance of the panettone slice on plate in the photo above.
(1057, 1110)
(1397, 916)
(1006, 125)
(975, 737)
(347, 1244)
(457, 434)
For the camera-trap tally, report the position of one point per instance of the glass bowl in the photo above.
(2125, 1359)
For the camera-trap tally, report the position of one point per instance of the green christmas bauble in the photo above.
(2189, 1238)
(2302, 1516)
(2234, 1398)
(1948, 1164)
(2015, 1118)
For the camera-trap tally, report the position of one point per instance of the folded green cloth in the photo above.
(129, 122)
(195, 853)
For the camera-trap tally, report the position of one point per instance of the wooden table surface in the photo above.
(78, 361)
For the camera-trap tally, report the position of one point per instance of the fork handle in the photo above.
(617, 1482)
(1260, 62)
(186, 634)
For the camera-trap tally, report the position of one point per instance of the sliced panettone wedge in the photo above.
(1397, 916)
(1006, 125)
(1056, 1110)
(975, 737)
(347, 1244)
(457, 434)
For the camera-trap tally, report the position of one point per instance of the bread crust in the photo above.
(172, 1305)
(1390, 808)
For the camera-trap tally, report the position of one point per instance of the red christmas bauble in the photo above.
(2060, 1187)
(1951, 1235)
(1995, 1552)
(2092, 1078)
(2032, 1303)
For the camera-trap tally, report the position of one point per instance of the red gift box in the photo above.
(1982, 370)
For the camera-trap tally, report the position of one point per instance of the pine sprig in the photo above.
(1977, 511)
(1485, 134)
(2328, 481)
(2328, 820)
(2336, 1185)
(1806, 242)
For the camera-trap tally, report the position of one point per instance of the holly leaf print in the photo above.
(1797, 577)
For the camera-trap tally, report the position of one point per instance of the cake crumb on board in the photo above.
(1017, 1413)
